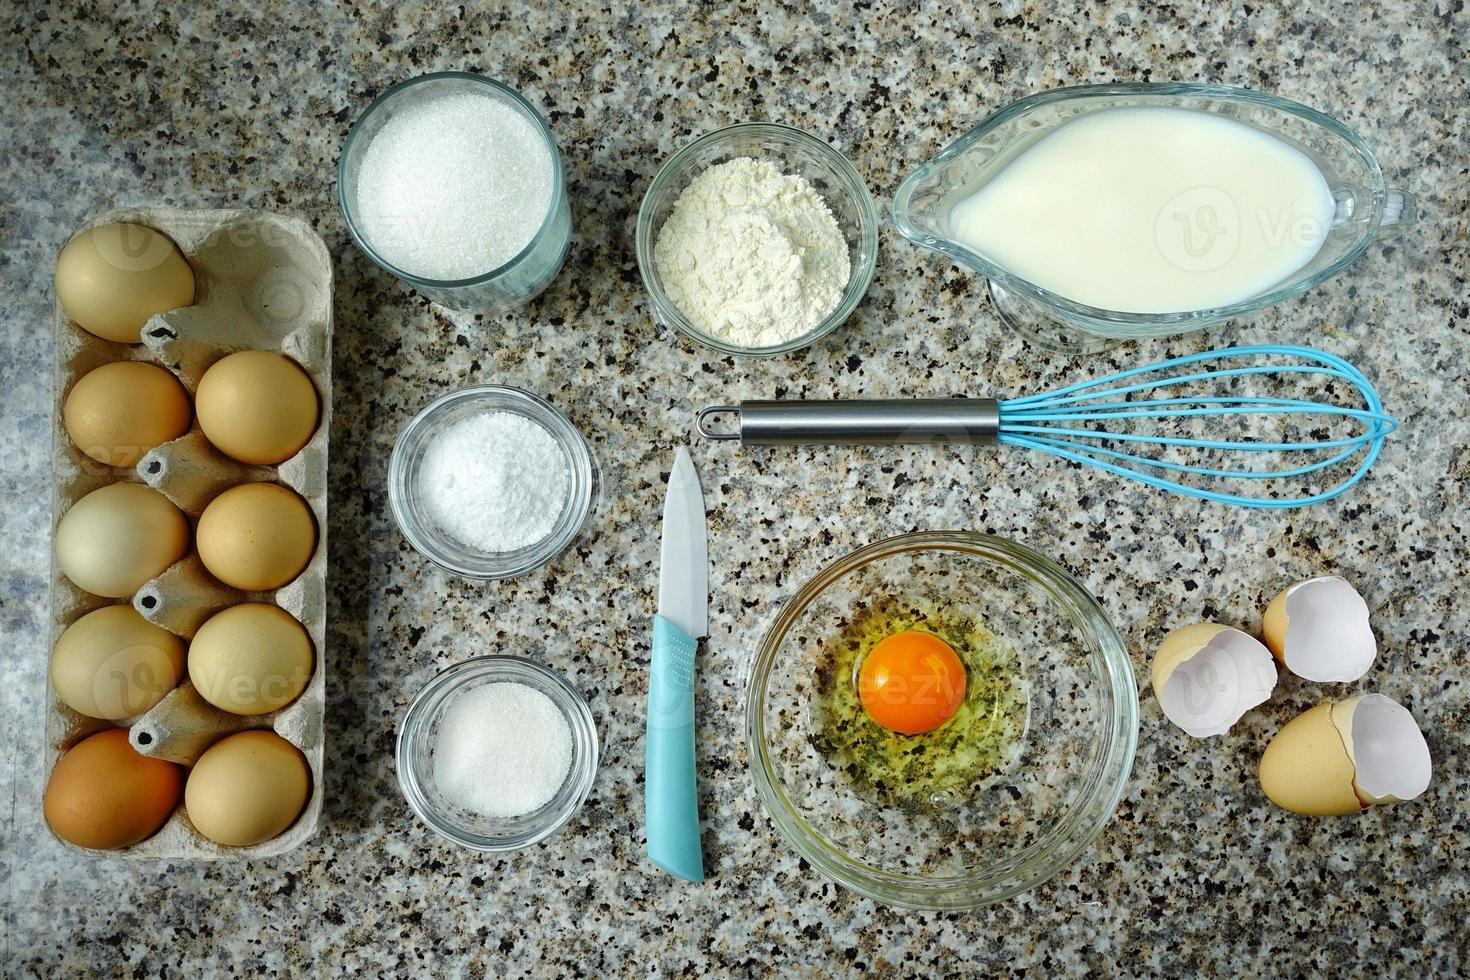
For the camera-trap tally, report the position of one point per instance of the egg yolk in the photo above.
(911, 682)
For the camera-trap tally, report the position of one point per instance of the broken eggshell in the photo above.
(1388, 750)
(1341, 758)
(1319, 630)
(1207, 675)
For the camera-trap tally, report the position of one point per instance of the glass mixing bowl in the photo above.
(795, 152)
(1000, 835)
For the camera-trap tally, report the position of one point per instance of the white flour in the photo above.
(752, 256)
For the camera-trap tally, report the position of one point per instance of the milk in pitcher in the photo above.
(1151, 210)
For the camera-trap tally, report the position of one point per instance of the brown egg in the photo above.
(119, 411)
(250, 659)
(256, 536)
(257, 406)
(118, 537)
(247, 788)
(112, 278)
(103, 794)
(114, 664)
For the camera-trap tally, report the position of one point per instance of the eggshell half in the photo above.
(1207, 676)
(1307, 769)
(1319, 630)
(1390, 757)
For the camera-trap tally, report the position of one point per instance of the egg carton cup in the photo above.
(262, 282)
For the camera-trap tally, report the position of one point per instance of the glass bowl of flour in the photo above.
(491, 482)
(756, 240)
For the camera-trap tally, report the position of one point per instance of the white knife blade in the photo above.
(683, 580)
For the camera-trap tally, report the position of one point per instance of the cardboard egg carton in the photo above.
(262, 282)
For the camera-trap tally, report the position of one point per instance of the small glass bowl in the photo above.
(419, 731)
(522, 277)
(1009, 831)
(794, 151)
(455, 556)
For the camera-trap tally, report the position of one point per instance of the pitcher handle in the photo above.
(1400, 213)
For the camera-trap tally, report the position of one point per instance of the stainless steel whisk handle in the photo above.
(874, 422)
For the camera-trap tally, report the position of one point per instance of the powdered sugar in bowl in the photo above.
(811, 171)
(491, 482)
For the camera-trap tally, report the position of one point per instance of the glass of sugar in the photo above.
(452, 182)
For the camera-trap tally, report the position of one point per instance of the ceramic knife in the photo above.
(670, 802)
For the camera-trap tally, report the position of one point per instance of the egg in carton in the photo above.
(262, 282)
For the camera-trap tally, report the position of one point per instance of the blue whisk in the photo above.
(1104, 423)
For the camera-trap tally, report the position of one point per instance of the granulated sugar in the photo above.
(495, 482)
(503, 750)
(454, 187)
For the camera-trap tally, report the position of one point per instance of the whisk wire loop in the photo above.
(1246, 445)
(1242, 406)
(1267, 474)
(1049, 422)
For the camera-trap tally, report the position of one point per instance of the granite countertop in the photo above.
(248, 105)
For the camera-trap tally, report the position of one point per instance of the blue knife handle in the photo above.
(670, 803)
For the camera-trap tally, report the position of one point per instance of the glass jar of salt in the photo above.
(452, 182)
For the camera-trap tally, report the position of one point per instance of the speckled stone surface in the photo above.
(249, 105)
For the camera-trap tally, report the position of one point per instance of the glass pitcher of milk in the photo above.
(1104, 213)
